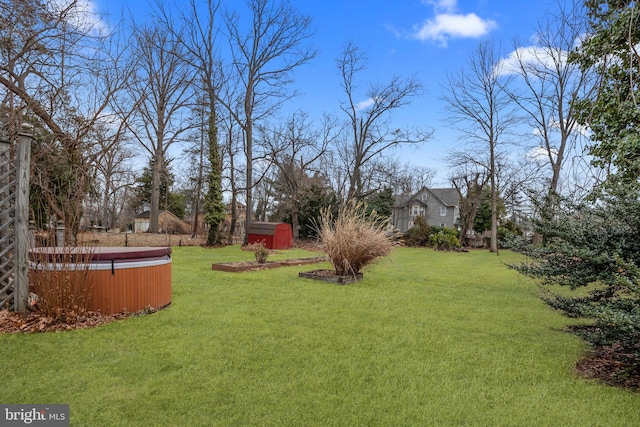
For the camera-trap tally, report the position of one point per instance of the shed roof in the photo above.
(264, 228)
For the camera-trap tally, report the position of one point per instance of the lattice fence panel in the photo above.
(7, 225)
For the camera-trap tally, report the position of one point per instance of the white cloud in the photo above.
(450, 25)
(534, 59)
(442, 5)
(448, 22)
(554, 132)
(541, 154)
(83, 15)
(365, 104)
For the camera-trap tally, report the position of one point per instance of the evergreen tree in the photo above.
(213, 205)
(170, 201)
(381, 202)
(614, 114)
(482, 220)
(313, 201)
(595, 244)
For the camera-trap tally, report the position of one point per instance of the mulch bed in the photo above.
(330, 276)
(611, 366)
(240, 266)
(36, 321)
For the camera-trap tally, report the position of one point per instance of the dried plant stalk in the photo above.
(60, 278)
(354, 238)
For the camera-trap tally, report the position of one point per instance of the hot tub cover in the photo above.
(97, 254)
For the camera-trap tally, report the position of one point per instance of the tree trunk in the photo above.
(295, 222)
(248, 128)
(154, 209)
(234, 197)
(494, 201)
(198, 191)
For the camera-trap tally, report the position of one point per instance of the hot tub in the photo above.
(117, 279)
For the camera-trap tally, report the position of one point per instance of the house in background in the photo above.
(241, 216)
(440, 207)
(167, 223)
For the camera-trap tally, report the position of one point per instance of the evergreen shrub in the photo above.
(418, 235)
(445, 239)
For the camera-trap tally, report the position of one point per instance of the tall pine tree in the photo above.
(213, 205)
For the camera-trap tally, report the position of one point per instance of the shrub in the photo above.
(418, 235)
(445, 240)
(260, 251)
(507, 234)
(594, 245)
(353, 239)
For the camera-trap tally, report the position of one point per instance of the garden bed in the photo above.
(236, 267)
(330, 276)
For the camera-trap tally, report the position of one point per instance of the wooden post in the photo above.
(60, 234)
(23, 159)
(32, 234)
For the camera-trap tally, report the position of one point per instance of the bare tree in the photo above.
(263, 59)
(231, 148)
(337, 179)
(294, 149)
(401, 179)
(59, 69)
(483, 112)
(162, 92)
(113, 172)
(548, 85)
(197, 166)
(469, 179)
(370, 133)
(199, 39)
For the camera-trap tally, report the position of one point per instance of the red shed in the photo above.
(275, 235)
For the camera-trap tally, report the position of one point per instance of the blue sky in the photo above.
(428, 38)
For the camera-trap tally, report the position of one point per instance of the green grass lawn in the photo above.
(426, 339)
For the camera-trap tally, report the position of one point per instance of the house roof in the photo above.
(238, 204)
(446, 196)
(147, 214)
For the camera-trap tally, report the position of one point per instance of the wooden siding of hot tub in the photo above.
(130, 289)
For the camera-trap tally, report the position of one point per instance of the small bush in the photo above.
(418, 235)
(260, 251)
(445, 240)
(353, 239)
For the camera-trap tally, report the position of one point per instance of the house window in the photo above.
(443, 211)
(423, 197)
(443, 225)
(421, 211)
(410, 224)
(415, 210)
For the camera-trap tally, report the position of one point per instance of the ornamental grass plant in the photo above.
(61, 282)
(353, 238)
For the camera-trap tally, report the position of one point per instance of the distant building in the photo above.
(241, 215)
(241, 211)
(439, 206)
(167, 223)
